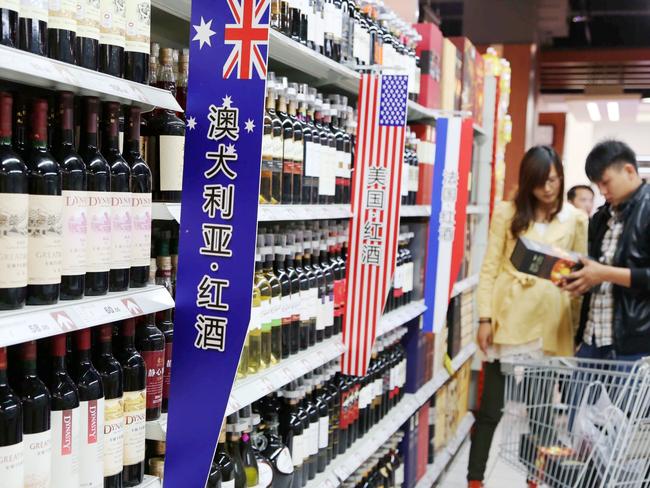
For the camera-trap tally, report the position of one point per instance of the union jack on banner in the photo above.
(246, 35)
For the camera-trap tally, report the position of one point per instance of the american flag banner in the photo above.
(374, 227)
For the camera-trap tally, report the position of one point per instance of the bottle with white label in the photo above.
(9, 27)
(245, 446)
(233, 435)
(14, 204)
(65, 418)
(311, 446)
(150, 341)
(272, 449)
(12, 456)
(319, 398)
(292, 430)
(111, 373)
(62, 30)
(138, 36)
(225, 462)
(32, 35)
(37, 435)
(87, 39)
(112, 39)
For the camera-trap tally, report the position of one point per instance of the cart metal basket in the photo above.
(577, 423)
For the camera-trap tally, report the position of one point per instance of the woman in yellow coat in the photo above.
(521, 315)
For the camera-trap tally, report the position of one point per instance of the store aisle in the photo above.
(499, 474)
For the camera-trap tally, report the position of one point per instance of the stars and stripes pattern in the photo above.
(248, 35)
(380, 142)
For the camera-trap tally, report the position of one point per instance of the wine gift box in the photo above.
(429, 49)
(467, 53)
(543, 260)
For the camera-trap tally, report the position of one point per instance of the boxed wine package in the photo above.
(543, 260)
(426, 154)
(467, 53)
(429, 49)
(409, 450)
(451, 77)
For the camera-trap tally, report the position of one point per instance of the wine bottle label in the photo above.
(329, 18)
(138, 26)
(121, 230)
(91, 458)
(283, 462)
(44, 246)
(38, 459)
(315, 432)
(66, 445)
(329, 311)
(171, 162)
(312, 26)
(113, 436)
(12, 465)
(98, 257)
(14, 211)
(297, 450)
(141, 225)
(155, 362)
(276, 311)
(312, 160)
(298, 150)
(62, 15)
(112, 22)
(15, 6)
(255, 320)
(266, 317)
(34, 9)
(265, 472)
(323, 431)
(75, 230)
(135, 418)
(167, 376)
(267, 143)
(399, 475)
(88, 15)
(228, 484)
(285, 305)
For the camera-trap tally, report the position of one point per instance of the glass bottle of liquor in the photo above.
(214, 477)
(140, 201)
(294, 296)
(44, 245)
(310, 18)
(311, 446)
(262, 334)
(295, 14)
(333, 400)
(98, 256)
(87, 39)
(276, 146)
(134, 373)
(266, 169)
(121, 224)
(326, 186)
(246, 449)
(312, 296)
(112, 37)
(297, 146)
(32, 29)
(11, 426)
(275, 310)
(275, 451)
(328, 274)
(14, 202)
(303, 300)
(166, 139)
(164, 261)
(181, 85)
(166, 326)
(321, 285)
(242, 367)
(62, 31)
(319, 22)
(305, 116)
(287, 142)
(285, 17)
(258, 442)
(306, 436)
(292, 431)
(319, 399)
(233, 434)
(9, 23)
(275, 18)
(280, 273)
(332, 20)
(137, 38)
(150, 342)
(225, 462)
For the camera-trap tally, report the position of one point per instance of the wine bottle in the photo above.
(99, 204)
(225, 463)
(181, 83)
(233, 435)
(87, 40)
(112, 37)
(121, 200)
(14, 204)
(214, 478)
(91, 410)
(140, 201)
(166, 326)
(12, 468)
(75, 203)
(151, 344)
(138, 34)
(9, 23)
(134, 373)
(32, 29)
(65, 419)
(44, 245)
(274, 451)
(111, 373)
(248, 456)
(37, 436)
(62, 30)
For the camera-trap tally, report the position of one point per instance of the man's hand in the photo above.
(484, 336)
(580, 282)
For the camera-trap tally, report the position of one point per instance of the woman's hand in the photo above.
(484, 336)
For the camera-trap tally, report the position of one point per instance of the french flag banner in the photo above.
(446, 242)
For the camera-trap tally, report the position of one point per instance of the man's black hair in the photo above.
(571, 194)
(607, 154)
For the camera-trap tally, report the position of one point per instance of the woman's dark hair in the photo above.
(533, 173)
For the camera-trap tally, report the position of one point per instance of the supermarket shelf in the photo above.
(177, 8)
(30, 69)
(447, 453)
(36, 322)
(415, 211)
(166, 211)
(464, 285)
(275, 213)
(400, 316)
(478, 209)
(150, 482)
(420, 113)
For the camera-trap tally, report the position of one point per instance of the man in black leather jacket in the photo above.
(615, 281)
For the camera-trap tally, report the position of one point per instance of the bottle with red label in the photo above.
(150, 341)
(11, 431)
(166, 325)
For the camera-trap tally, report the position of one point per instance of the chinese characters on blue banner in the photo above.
(227, 82)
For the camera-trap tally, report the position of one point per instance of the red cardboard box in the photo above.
(478, 89)
(468, 53)
(426, 151)
(429, 49)
(423, 441)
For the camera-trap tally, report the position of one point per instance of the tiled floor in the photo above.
(498, 474)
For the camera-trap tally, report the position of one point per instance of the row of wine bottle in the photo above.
(73, 415)
(384, 469)
(106, 35)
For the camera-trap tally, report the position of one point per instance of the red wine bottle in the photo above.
(98, 257)
(65, 418)
(14, 204)
(62, 30)
(91, 410)
(138, 36)
(37, 436)
(121, 226)
(151, 344)
(111, 37)
(12, 470)
(87, 40)
(32, 28)
(166, 326)
(44, 244)
(75, 203)
(9, 23)
(111, 373)
(135, 393)
(140, 201)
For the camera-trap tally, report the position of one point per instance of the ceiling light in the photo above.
(613, 112)
(594, 112)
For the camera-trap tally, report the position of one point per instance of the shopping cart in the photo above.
(576, 423)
